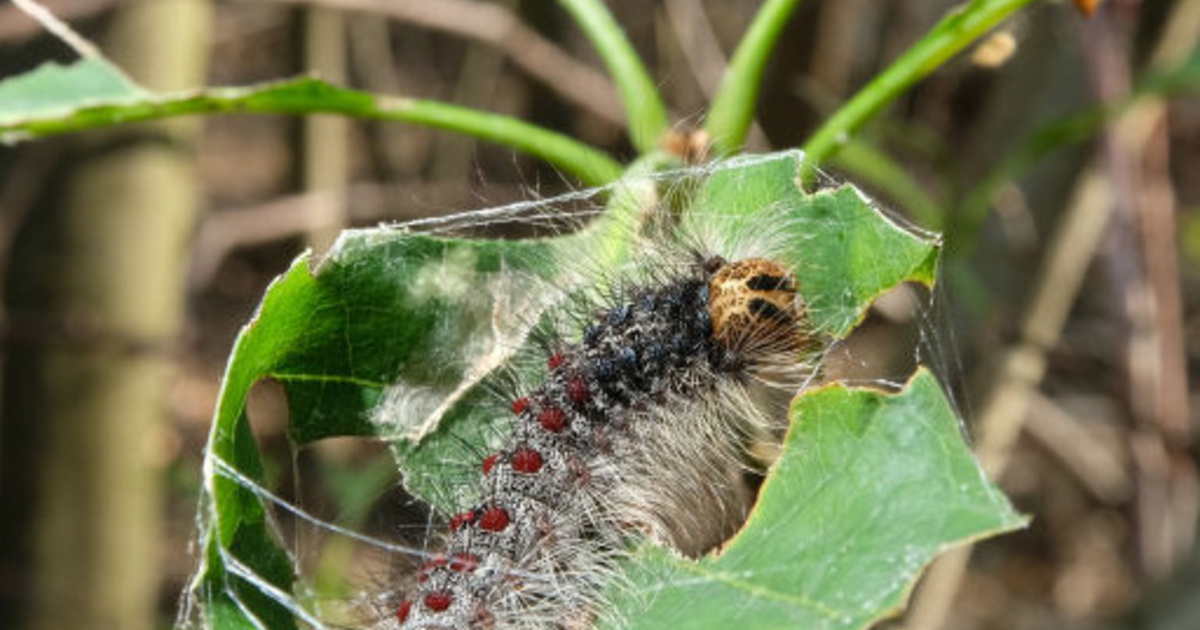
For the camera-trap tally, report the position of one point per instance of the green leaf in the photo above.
(54, 90)
(92, 93)
(407, 336)
(870, 487)
(834, 237)
(242, 560)
(389, 306)
(867, 164)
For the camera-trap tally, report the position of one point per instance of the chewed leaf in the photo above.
(398, 335)
(846, 252)
(390, 306)
(870, 487)
(831, 239)
(853, 254)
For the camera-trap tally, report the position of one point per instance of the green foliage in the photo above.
(870, 487)
(69, 104)
(733, 107)
(393, 309)
(872, 167)
(55, 100)
(334, 341)
(644, 109)
(55, 91)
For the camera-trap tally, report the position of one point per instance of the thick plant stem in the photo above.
(733, 107)
(90, 382)
(644, 110)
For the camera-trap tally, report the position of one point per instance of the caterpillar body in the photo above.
(641, 428)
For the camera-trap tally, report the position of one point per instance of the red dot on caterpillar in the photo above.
(527, 460)
(438, 601)
(552, 419)
(578, 391)
(494, 519)
(403, 611)
(429, 566)
(674, 339)
(423, 574)
(458, 521)
(463, 563)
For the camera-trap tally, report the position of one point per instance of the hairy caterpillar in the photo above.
(622, 516)
(653, 393)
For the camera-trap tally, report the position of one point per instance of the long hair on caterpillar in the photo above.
(611, 385)
(659, 374)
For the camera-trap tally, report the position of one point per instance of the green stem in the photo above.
(957, 30)
(310, 96)
(643, 105)
(732, 109)
(591, 166)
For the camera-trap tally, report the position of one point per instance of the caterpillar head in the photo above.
(754, 302)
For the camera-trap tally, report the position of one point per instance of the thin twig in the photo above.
(1168, 399)
(15, 28)
(59, 28)
(836, 40)
(1142, 268)
(699, 44)
(1166, 396)
(1098, 465)
(496, 26)
(402, 150)
(476, 85)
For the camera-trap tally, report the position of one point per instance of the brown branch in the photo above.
(838, 24)
(496, 26)
(476, 84)
(1099, 465)
(1168, 404)
(701, 50)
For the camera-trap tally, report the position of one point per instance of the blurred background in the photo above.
(1061, 158)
